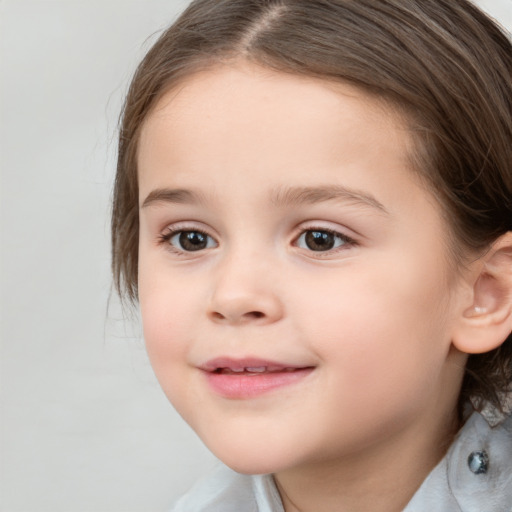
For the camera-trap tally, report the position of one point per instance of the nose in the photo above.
(244, 293)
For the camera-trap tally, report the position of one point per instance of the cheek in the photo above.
(168, 331)
(388, 323)
(166, 307)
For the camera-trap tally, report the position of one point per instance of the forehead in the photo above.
(242, 121)
(244, 98)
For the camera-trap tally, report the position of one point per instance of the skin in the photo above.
(373, 317)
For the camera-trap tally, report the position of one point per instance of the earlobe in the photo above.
(487, 322)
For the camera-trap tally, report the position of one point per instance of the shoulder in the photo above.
(227, 491)
(476, 473)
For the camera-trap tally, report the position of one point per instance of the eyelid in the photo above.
(331, 227)
(189, 225)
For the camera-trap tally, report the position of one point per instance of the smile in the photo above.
(244, 379)
(252, 370)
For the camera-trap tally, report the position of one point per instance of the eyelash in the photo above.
(346, 241)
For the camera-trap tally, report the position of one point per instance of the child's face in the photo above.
(281, 227)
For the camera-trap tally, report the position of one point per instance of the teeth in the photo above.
(256, 369)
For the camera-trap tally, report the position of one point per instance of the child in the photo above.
(313, 209)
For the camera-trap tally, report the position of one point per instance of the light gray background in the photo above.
(84, 425)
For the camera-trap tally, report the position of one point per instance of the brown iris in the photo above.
(193, 240)
(319, 240)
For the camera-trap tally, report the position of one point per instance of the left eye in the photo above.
(321, 240)
(190, 241)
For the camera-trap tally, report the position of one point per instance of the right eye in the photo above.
(189, 241)
(323, 240)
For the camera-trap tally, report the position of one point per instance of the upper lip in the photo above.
(247, 364)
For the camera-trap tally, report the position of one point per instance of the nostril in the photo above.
(255, 314)
(250, 315)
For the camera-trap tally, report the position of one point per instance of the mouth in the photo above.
(250, 378)
(254, 370)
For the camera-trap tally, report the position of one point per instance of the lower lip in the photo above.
(240, 386)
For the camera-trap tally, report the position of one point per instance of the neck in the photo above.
(384, 481)
(382, 477)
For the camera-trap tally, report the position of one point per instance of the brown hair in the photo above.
(444, 62)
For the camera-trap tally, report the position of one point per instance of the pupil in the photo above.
(193, 241)
(319, 240)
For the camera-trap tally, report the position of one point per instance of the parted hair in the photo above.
(443, 64)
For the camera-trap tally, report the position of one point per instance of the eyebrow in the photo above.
(311, 195)
(177, 196)
(283, 196)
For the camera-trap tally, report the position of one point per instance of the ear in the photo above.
(486, 323)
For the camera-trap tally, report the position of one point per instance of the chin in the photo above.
(251, 466)
(252, 459)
